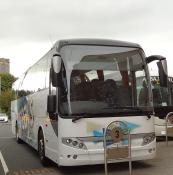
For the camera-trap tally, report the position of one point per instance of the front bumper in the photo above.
(73, 157)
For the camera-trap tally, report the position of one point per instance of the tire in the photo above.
(41, 149)
(19, 141)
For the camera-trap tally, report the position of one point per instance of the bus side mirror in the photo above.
(51, 104)
(162, 68)
(55, 71)
(163, 73)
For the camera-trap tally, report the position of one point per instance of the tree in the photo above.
(6, 95)
(6, 81)
(5, 101)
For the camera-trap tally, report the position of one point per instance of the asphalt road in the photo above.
(23, 160)
(18, 157)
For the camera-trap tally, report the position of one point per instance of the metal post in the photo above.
(104, 146)
(130, 154)
(166, 132)
(111, 153)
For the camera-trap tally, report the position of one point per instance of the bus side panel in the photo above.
(49, 126)
(33, 116)
(51, 140)
(31, 111)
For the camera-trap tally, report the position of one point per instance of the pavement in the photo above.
(23, 160)
(42, 171)
(161, 165)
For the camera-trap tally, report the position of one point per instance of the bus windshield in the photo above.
(104, 81)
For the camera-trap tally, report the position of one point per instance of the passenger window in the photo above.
(35, 78)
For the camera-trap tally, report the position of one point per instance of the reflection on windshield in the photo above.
(160, 94)
(107, 91)
(102, 83)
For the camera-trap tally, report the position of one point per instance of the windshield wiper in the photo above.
(80, 116)
(131, 108)
(89, 115)
(85, 115)
(124, 108)
(77, 118)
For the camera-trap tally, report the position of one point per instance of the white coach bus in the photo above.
(64, 101)
(163, 103)
(162, 89)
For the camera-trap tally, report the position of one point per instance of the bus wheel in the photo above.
(41, 149)
(17, 135)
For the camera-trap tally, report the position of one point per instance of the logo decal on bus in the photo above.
(97, 130)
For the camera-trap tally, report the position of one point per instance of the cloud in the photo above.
(41, 22)
(37, 19)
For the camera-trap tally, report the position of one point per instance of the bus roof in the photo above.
(88, 41)
(102, 42)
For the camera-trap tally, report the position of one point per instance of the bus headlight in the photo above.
(68, 141)
(148, 138)
(74, 142)
(81, 145)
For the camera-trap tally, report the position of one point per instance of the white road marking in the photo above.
(4, 165)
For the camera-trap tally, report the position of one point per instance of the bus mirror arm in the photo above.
(51, 104)
(154, 58)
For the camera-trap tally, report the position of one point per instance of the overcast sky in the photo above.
(28, 28)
